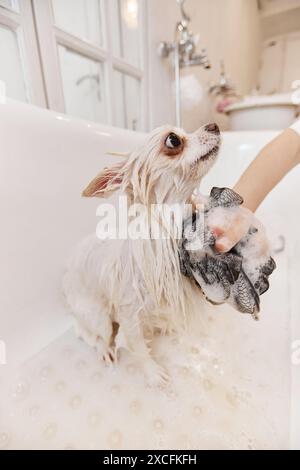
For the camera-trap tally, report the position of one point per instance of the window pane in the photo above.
(125, 36)
(119, 101)
(12, 4)
(133, 103)
(80, 17)
(127, 101)
(11, 70)
(84, 86)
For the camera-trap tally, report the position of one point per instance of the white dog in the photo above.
(121, 292)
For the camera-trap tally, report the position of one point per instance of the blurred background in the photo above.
(114, 61)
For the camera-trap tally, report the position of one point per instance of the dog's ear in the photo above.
(108, 181)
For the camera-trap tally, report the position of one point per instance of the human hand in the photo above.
(240, 276)
(228, 225)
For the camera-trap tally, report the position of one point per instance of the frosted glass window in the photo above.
(126, 37)
(127, 101)
(83, 85)
(11, 69)
(119, 102)
(82, 18)
(12, 4)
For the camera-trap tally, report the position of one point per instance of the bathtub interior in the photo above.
(231, 383)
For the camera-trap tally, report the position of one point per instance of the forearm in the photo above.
(270, 166)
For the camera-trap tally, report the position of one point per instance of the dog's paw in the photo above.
(156, 375)
(106, 354)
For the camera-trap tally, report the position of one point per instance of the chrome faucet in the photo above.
(184, 49)
(223, 86)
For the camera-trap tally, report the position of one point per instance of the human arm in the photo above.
(272, 163)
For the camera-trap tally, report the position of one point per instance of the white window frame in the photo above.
(20, 20)
(50, 36)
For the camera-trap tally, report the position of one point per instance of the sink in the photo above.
(269, 112)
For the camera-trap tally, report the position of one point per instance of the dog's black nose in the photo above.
(213, 128)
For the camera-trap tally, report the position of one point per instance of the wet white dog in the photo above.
(122, 292)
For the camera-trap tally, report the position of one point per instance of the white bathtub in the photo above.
(45, 161)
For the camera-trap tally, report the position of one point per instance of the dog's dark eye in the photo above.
(173, 141)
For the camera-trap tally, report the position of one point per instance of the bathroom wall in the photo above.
(162, 18)
(273, 7)
(280, 65)
(228, 29)
(274, 24)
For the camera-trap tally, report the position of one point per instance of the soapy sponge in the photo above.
(238, 277)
